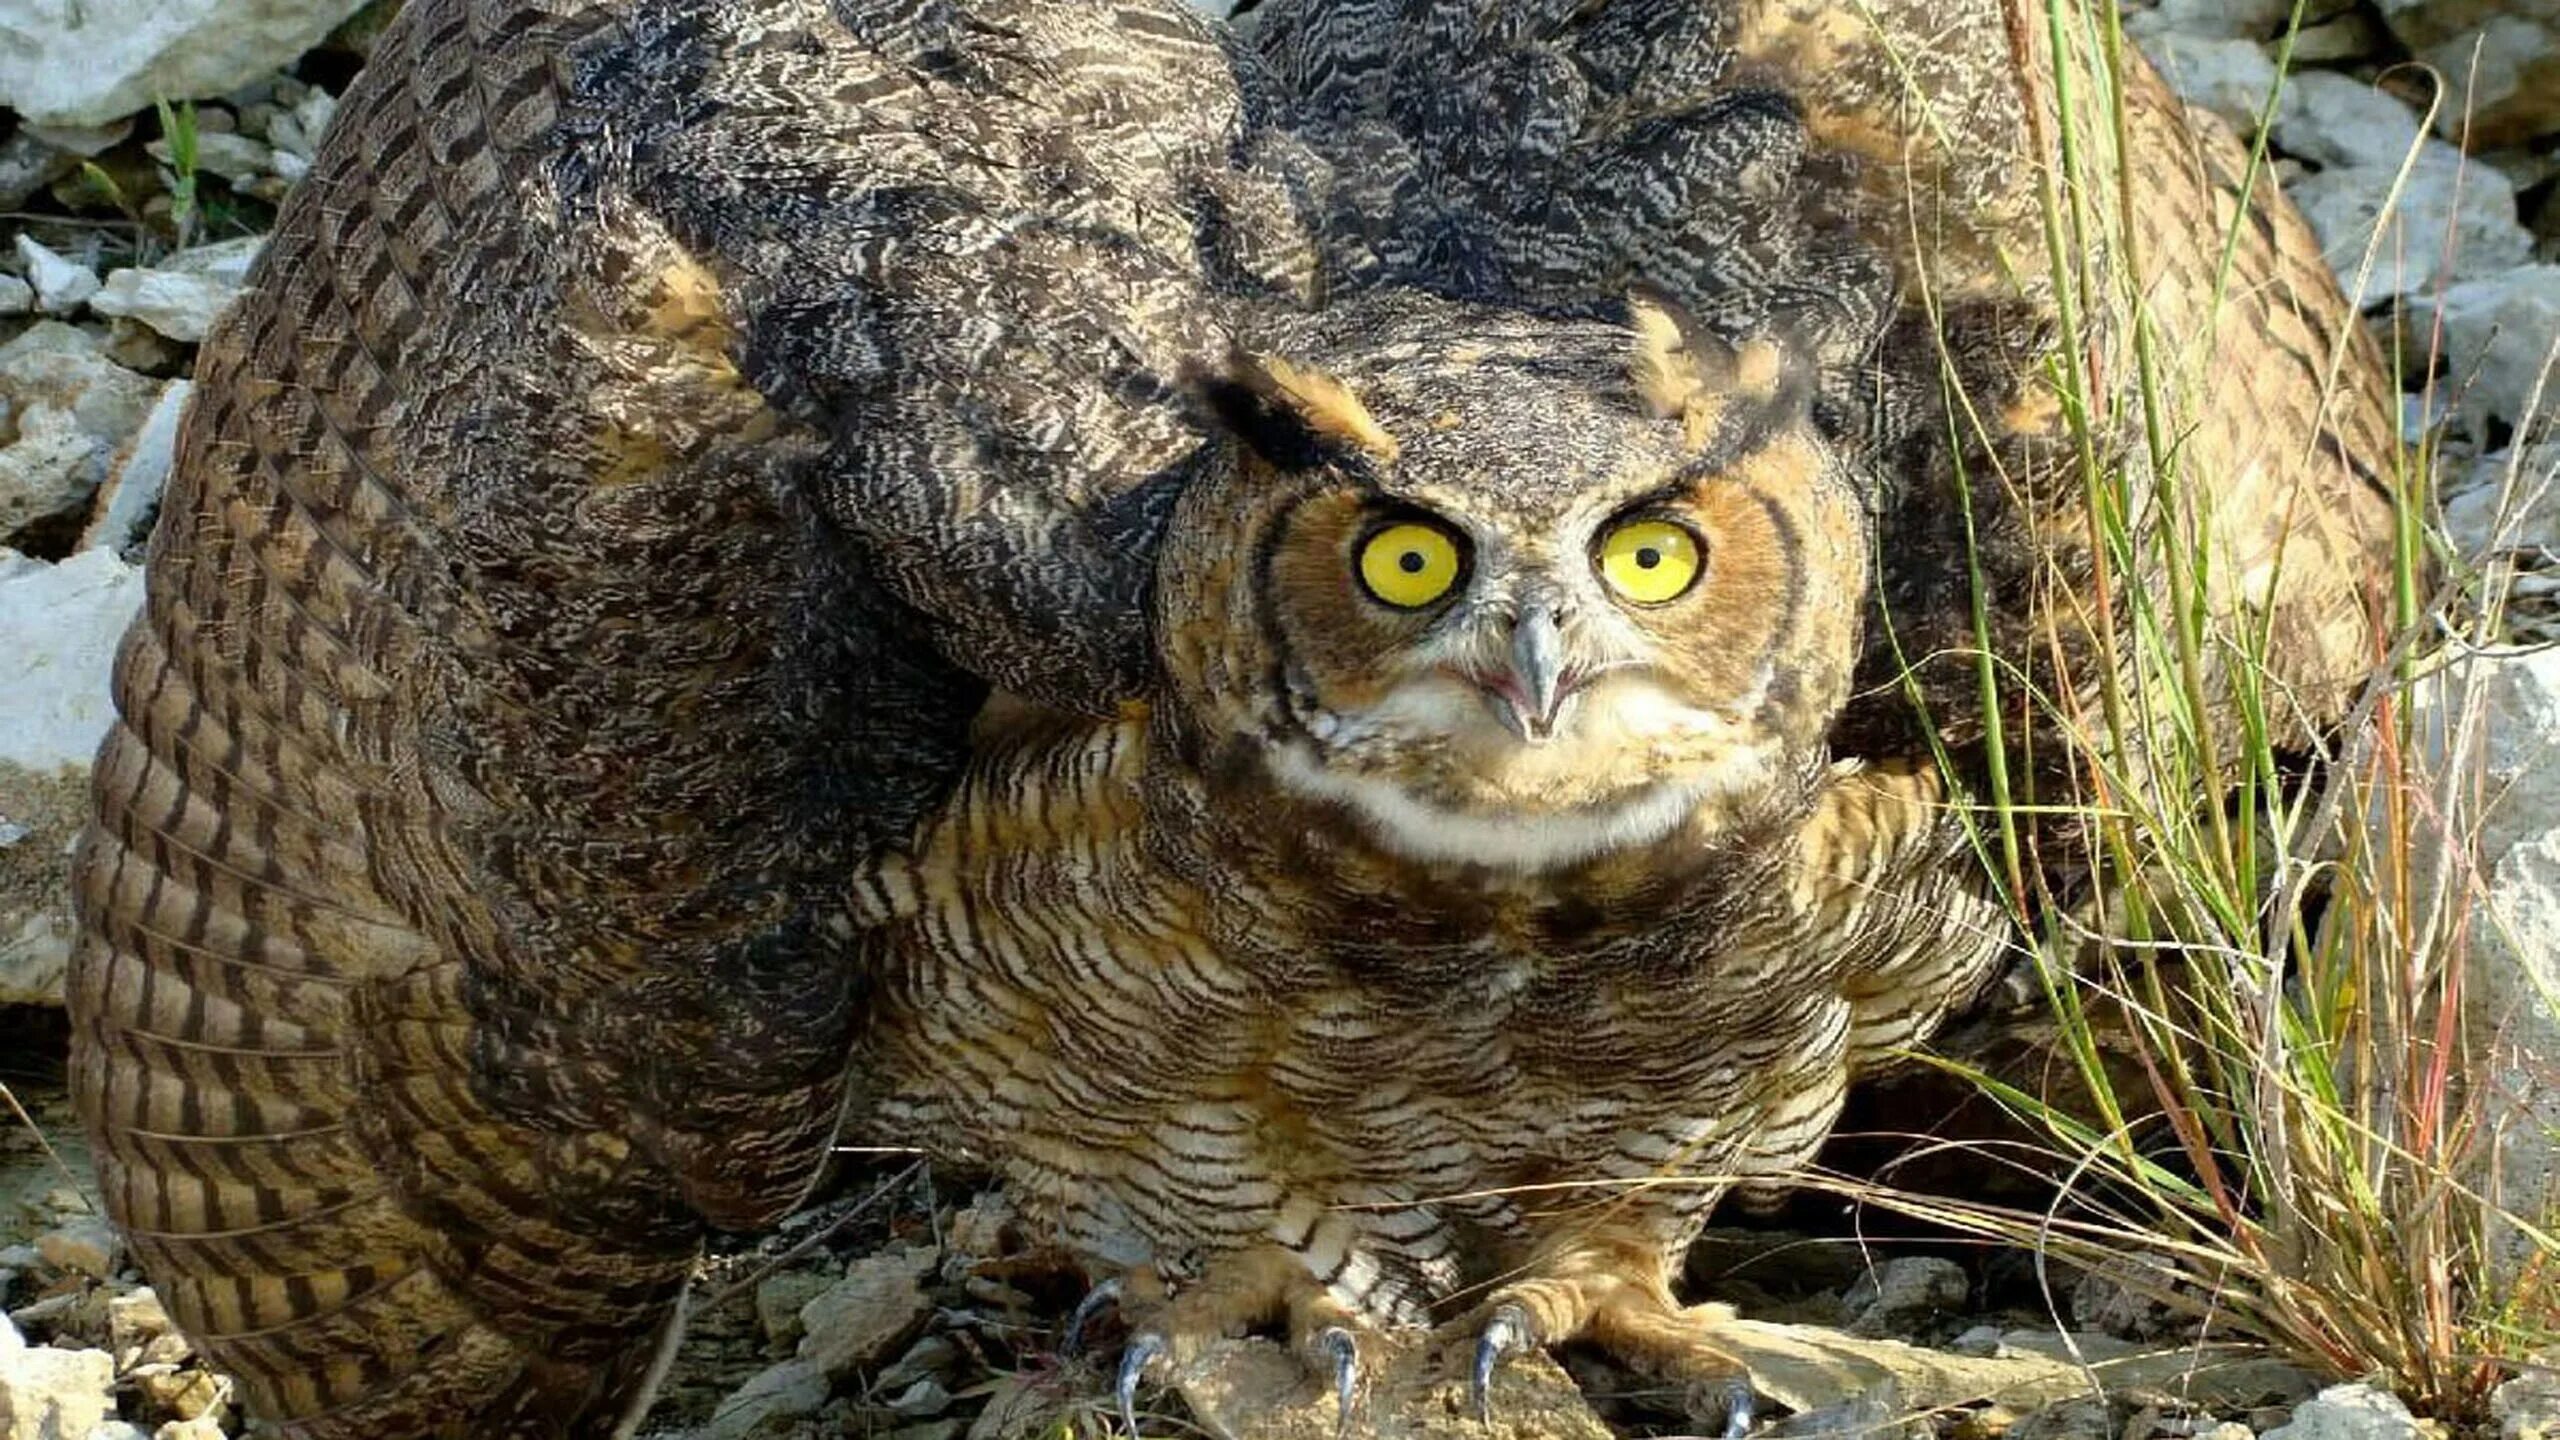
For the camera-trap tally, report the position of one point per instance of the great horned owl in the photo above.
(659, 426)
(1478, 900)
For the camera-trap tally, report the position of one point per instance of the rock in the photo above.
(28, 163)
(2124, 1297)
(86, 1246)
(2500, 60)
(296, 133)
(2231, 78)
(48, 1394)
(177, 303)
(131, 495)
(2350, 37)
(2332, 119)
(59, 626)
(139, 1331)
(2351, 1412)
(2454, 219)
(91, 63)
(921, 1401)
(17, 297)
(769, 1403)
(49, 471)
(119, 1430)
(2528, 1406)
(1906, 1294)
(2499, 335)
(62, 285)
(778, 1302)
(201, 1428)
(2514, 956)
(2211, 19)
(876, 1307)
(182, 1392)
(2511, 502)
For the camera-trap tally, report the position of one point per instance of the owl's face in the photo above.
(1517, 591)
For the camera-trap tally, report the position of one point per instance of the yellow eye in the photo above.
(1649, 561)
(1409, 565)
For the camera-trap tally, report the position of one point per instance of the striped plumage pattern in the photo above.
(656, 427)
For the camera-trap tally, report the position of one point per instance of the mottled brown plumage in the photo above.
(657, 426)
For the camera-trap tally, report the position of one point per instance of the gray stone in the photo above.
(2330, 119)
(2509, 502)
(2528, 1406)
(878, 1306)
(48, 1394)
(2351, 1412)
(1905, 1294)
(2127, 1297)
(61, 284)
(2231, 78)
(2500, 60)
(778, 1302)
(17, 297)
(119, 1430)
(2499, 335)
(59, 625)
(2211, 19)
(180, 304)
(28, 163)
(769, 1404)
(99, 60)
(2452, 219)
(140, 472)
(50, 470)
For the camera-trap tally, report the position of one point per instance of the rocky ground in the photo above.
(907, 1305)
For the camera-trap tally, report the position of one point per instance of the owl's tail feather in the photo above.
(275, 1073)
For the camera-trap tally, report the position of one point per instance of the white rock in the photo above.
(2453, 219)
(60, 365)
(61, 284)
(2231, 78)
(59, 625)
(877, 1306)
(1218, 8)
(203, 1427)
(17, 297)
(119, 1430)
(178, 305)
(48, 1394)
(2211, 19)
(52, 467)
(2350, 1412)
(2499, 335)
(2528, 1406)
(90, 63)
(139, 474)
(2510, 501)
(2331, 119)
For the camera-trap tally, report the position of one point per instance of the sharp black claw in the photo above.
(1337, 1342)
(1505, 1333)
(1106, 1293)
(1144, 1348)
(1741, 1407)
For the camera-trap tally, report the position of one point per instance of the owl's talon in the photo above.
(1505, 1334)
(1106, 1293)
(1145, 1348)
(1344, 1351)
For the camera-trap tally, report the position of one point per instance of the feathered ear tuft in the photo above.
(1291, 415)
(1684, 371)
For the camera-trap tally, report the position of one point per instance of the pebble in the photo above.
(2351, 1412)
(61, 285)
(88, 1245)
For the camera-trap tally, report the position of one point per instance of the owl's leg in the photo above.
(1619, 1298)
(1239, 1290)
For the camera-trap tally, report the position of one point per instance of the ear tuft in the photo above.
(1292, 415)
(1682, 371)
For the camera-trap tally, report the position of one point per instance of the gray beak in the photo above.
(1528, 696)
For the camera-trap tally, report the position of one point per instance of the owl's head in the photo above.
(1512, 590)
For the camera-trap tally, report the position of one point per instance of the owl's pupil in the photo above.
(1411, 562)
(1647, 558)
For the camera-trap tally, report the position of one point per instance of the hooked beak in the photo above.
(1527, 696)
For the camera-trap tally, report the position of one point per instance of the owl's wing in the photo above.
(1871, 180)
(644, 438)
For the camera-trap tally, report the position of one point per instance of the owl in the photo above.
(1322, 642)
(1477, 898)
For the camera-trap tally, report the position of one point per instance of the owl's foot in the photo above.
(1636, 1322)
(1243, 1290)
